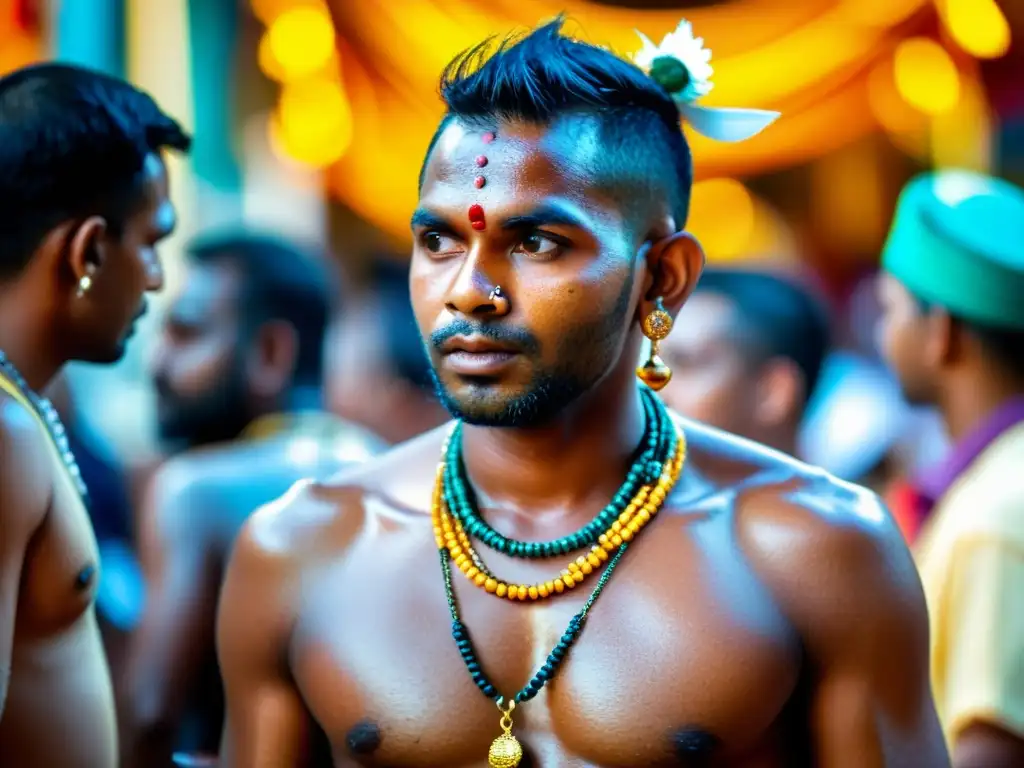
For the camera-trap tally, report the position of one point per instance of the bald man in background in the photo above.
(746, 353)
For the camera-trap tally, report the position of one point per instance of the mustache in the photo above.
(507, 335)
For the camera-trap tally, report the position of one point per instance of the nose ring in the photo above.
(496, 293)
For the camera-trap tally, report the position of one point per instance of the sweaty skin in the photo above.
(196, 507)
(59, 706)
(768, 616)
(49, 637)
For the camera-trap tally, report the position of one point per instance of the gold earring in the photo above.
(656, 326)
(84, 284)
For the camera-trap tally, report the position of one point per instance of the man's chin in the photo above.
(497, 406)
(106, 355)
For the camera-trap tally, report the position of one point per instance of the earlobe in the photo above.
(674, 265)
(273, 359)
(86, 250)
(781, 390)
(941, 340)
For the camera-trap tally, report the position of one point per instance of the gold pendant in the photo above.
(505, 751)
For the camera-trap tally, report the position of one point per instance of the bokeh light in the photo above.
(297, 44)
(722, 217)
(977, 26)
(926, 76)
(313, 122)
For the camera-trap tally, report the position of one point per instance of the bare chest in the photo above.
(61, 567)
(684, 655)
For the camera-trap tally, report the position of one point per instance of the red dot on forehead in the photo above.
(479, 182)
(476, 217)
(481, 161)
(488, 137)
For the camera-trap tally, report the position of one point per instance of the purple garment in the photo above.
(933, 483)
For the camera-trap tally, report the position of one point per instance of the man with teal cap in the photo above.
(953, 330)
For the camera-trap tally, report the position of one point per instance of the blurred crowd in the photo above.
(273, 363)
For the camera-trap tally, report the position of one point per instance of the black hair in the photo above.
(73, 143)
(282, 282)
(546, 75)
(1004, 346)
(776, 318)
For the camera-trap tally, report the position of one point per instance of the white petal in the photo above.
(727, 123)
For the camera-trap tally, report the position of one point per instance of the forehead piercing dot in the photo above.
(481, 161)
(488, 137)
(479, 181)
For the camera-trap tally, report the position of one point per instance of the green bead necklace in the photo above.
(659, 442)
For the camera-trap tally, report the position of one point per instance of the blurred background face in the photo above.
(902, 337)
(199, 361)
(712, 380)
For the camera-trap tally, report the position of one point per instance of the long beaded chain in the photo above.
(48, 415)
(645, 470)
(455, 548)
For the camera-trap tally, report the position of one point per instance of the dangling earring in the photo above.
(84, 284)
(656, 326)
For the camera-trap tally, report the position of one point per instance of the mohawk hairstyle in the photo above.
(546, 75)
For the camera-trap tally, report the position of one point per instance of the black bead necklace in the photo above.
(506, 751)
(661, 440)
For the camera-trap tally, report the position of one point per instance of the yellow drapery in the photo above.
(808, 59)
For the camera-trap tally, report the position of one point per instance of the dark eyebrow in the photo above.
(422, 218)
(544, 214)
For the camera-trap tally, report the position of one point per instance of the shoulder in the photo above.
(180, 496)
(25, 480)
(987, 500)
(317, 519)
(828, 550)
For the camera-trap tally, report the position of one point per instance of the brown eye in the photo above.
(440, 244)
(538, 245)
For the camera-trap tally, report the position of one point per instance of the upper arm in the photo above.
(266, 724)
(177, 629)
(846, 579)
(982, 620)
(24, 500)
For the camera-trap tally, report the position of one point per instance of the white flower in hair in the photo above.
(681, 64)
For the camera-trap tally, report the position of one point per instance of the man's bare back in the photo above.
(198, 503)
(769, 616)
(59, 708)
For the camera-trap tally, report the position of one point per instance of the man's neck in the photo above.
(967, 403)
(28, 346)
(584, 455)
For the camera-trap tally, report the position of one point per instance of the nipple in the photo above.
(85, 576)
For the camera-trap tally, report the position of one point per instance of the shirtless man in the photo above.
(769, 615)
(238, 372)
(85, 203)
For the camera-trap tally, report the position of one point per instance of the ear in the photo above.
(87, 248)
(781, 389)
(674, 264)
(272, 359)
(940, 338)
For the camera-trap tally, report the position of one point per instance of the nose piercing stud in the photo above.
(496, 293)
